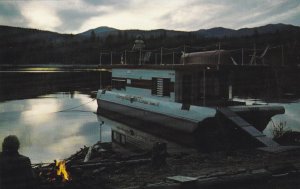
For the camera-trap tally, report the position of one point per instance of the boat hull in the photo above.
(153, 117)
(172, 115)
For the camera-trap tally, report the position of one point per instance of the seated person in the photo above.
(15, 169)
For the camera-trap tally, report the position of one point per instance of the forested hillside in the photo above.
(31, 46)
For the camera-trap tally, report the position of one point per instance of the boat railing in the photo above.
(194, 55)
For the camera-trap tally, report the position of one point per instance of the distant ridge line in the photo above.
(218, 32)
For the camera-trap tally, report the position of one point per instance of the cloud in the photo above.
(138, 15)
(40, 15)
(117, 3)
(73, 16)
(192, 16)
(270, 12)
(232, 14)
(10, 15)
(72, 19)
(8, 10)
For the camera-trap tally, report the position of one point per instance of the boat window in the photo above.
(161, 86)
(119, 138)
(185, 106)
(118, 84)
(115, 136)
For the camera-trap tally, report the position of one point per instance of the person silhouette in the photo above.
(15, 169)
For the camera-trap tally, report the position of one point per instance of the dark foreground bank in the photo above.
(108, 165)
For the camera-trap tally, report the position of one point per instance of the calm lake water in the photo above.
(291, 117)
(53, 113)
(30, 107)
(47, 134)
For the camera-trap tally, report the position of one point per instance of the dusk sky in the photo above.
(74, 16)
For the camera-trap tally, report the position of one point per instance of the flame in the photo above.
(62, 171)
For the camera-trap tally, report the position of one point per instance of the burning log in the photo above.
(88, 165)
(52, 175)
(62, 171)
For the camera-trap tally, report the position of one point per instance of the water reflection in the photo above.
(47, 134)
(135, 138)
(49, 128)
(290, 117)
(22, 85)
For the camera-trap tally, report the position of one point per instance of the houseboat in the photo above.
(181, 94)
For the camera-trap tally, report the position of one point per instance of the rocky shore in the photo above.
(109, 165)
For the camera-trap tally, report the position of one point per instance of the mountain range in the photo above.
(217, 32)
(104, 31)
(32, 46)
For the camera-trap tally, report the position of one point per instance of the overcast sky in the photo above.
(74, 16)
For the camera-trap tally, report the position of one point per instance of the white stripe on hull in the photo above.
(161, 119)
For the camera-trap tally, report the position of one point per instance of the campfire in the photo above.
(62, 170)
(76, 173)
(53, 174)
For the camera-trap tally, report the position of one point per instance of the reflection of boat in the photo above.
(176, 96)
(136, 139)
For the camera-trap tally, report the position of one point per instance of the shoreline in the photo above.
(112, 166)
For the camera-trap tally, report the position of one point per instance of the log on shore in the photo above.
(117, 163)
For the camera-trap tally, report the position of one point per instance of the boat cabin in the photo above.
(196, 78)
(188, 86)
